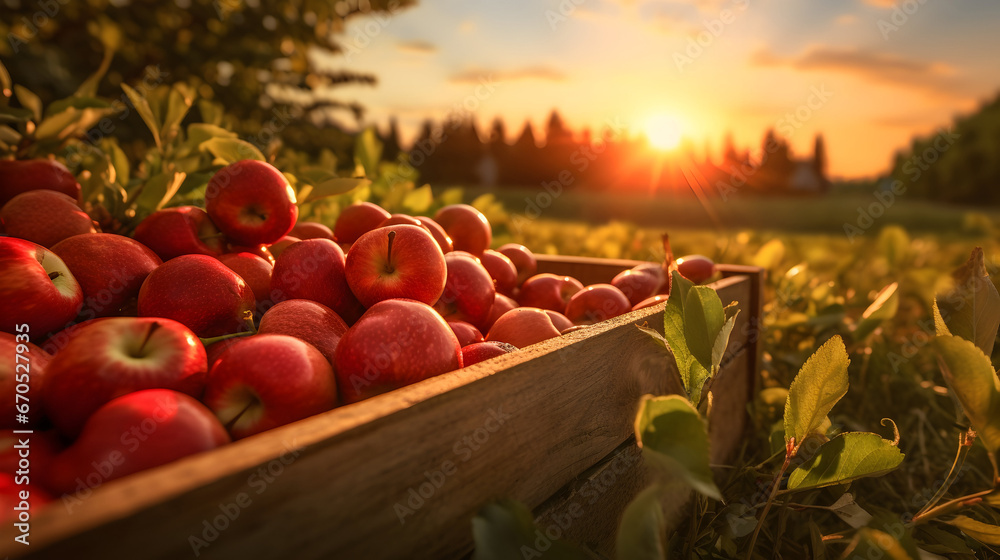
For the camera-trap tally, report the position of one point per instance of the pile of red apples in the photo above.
(217, 323)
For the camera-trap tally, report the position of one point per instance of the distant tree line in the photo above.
(456, 152)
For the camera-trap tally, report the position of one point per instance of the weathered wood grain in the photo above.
(339, 485)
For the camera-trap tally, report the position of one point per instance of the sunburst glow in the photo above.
(664, 131)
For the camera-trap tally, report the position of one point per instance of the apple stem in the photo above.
(149, 333)
(54, 275)
(209, 341)
(229, 425)
(388, 257)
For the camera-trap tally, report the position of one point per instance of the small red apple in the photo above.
(184, 230)
(199, 292)
(548, 291)
(501, 305)
(269, 380)
(440, 235)
(306, 320)
(650, 302)
(314, 269)
(395, 343)
(401, 261)
(502, 271)
(279, 246)
(38, 291)
(262, 251)
(466, 333)
(467, 227)
(311, 230)
(696, 268)
(559, 321)
(110, 269)
(523, 327)
(468, 292)
(254, 270)
(117, 356)
(13, 505)
(19, 176)
(251, 202)
(135, 432)
(597, 303)
(523, 260)
(401, 219)
(42, 447)
(356, 220)
(44, 217)
(482, 351)
(638, 284)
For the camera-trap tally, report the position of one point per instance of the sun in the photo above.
(664, 131)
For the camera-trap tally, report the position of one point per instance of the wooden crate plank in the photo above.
(571, 402)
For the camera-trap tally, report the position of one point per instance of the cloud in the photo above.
(416, 47)
(473, 75)
(933, 78)
(881, 3)
(847, 19)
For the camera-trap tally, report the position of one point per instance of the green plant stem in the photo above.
(789, 453)
(950, 506)
(208, 341)
(960, 454)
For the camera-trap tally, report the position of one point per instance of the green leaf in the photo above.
(971, 309)
(451, 196)
(882, 309)
(89, 86)
(118, 159)
(722, 339)
(29, 100)
(969, 373)
(179, 103)
(845, 458)
(141, 105)
(198, 133)
(770, 255)
(818, 549)
(368, 151)
(76, 102)
(5, 82)
(643, 529)
(158, 191)
(9, 136)
(335, 186)
(231, 150)
(982, 532)
(505, 530)
(674, 436)
(817, 387)
(418, 200)
(15, 114)
(703, 320)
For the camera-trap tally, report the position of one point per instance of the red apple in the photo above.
(468, 292)
(502, 271)
(482, 351)
(44, 217)
(401, 261)
(638, 284)
(38, 291)
(118, 356)
(132, 433)
(401, 219)
(395, 343)
(559, 321)
(269, 380)
(501, 305)
(214, 350)
(548, 291)
(314, 269)
(523, 260)
(696, 268)
(25, 369)
(358, 219)
(19, 176)
(251, 202)
(306, 320)
(467, 227)
(523, 327)
(466, 333)
(595, 303)
(185, 230)
(201, 293)
(311, 230)
(439, 234)
(110, 269)
(254, 270)
(650, 302)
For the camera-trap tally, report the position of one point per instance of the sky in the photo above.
(867, 74)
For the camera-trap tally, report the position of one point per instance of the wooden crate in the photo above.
(401, 475)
